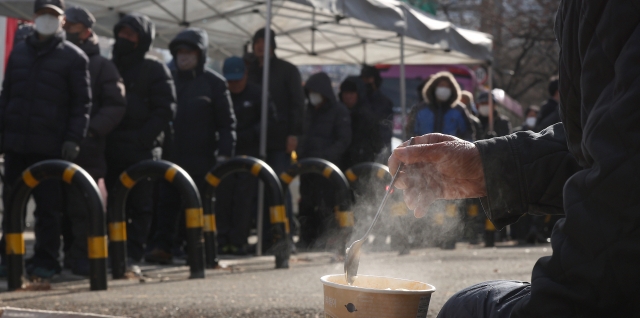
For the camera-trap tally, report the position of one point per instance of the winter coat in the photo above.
(327, 131)
(108, 108)
(46, 97)
(151, 98)
(586, 167)
(247, 108)
(285, 90)
(501, 126)
(366, 142)
(549, 115)
(382, 108)
(205, 123)
(450, 117)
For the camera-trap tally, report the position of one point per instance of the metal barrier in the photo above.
(343, 215)
(193, 213)
(367, 169)
(96, 232)
(278, 216)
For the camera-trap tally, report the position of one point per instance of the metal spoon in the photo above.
(352, 260)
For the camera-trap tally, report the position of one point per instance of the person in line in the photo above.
(151, 103)
(549, 112)
(530, 119)
(204, 133)
(108, 108)
(44, 113)
(585, 168)
(380, 104)
(327, 135)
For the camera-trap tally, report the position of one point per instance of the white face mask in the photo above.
(47, 24)
(443, 93)
(186, 62)
(315, 98)
(530, 121)
(483, 110)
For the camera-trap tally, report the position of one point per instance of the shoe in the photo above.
(159, 256)
(42, 272)
(81, 267)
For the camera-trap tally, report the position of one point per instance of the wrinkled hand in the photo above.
(70, 150)
(437, 167)
(292, 143)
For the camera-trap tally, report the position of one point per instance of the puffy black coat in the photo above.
(46, 97)
(151, 97)
(205, 122)
(108, 108)
(549, 115)
(586, 167)
(327, 130)
(246, 106)
(366, 142)
(285, 90)
(382, 108)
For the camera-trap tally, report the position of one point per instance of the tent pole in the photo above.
(403, 87)
(490, 97)
(263, 121)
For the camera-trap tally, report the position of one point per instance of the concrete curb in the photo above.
(12, 312)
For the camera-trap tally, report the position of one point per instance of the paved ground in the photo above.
(250, 287)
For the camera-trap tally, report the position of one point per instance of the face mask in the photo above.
(483, 110)
(530, 121)
(315, 99)
(74, 38)
(443, 93)
(186, 62)
(47, 24)
(123, 47)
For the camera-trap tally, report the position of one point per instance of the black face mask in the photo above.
(123, 47)
(74, 38)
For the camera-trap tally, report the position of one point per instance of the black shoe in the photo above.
(158, 256)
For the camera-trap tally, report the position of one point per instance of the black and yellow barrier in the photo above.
(193, 213)
(96, 232)
(368, 169)
(343, 214)
(278, 216)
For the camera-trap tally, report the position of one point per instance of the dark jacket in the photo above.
(151, 97)
(327, 130)
(285, 90)
(501, 126)
(382, 108)
(46, 98)
(586, 167)
(108, 108)
(431, 116)
(246, 106)
(365, 132)
(205, 122)
(549, 115)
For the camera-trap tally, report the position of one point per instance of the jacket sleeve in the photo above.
(225, 119)
(80, 107)
(297, 102)
(113, 104)
(162, 103)
(342, 135)
(525, 172)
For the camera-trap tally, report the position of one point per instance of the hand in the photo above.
(292, 143)
(70, 150)
(437, 167)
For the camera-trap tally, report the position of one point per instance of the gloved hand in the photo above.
(438, 167)
(70, 150)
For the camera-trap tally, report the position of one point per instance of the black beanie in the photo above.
(260, 35)
(348, 86)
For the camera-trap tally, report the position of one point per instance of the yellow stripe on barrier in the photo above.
(118, 231)
(97, 247)
(29, 180)
(452, 210)
(194, 218)
(212, 180)
(345, 218)
(327, 172)
(351, 176)
(126, 181)
(277, 214)
(399, 209)
(472, 211)
(210, 223)
(15, 243)
(170, 174)
(381, 173)
(488, 226)
(286, 178)
(255, 170)
(68, 173)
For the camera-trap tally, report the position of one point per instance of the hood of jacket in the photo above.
(193, 37)
(361, 89)
(321, 83)
(429, 89)
(143, 26)
(90, 46)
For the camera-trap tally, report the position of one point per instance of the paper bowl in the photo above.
(375, 296)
